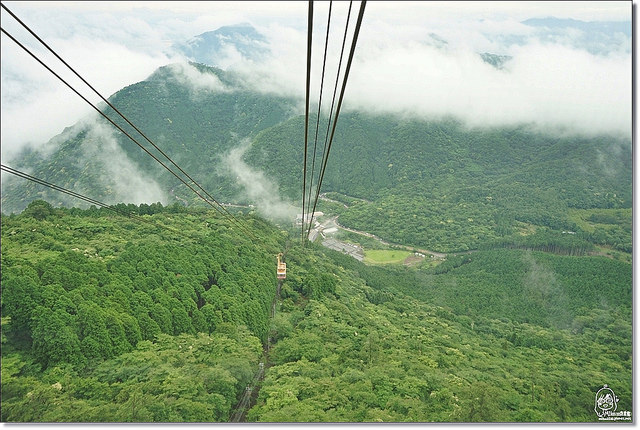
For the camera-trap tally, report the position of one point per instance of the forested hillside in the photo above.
(434, 184)
(131, 321)
(113, 319)
(195, 114)
(369, 353)
(438, 185)
(168, 316)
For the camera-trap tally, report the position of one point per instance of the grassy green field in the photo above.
(590, 219)
(385, 256)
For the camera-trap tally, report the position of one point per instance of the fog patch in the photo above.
(257, 187)
(609, 159)
(420, 58)
(199, 83)
(552, 87)
(122, 179)
(279, 72)
(542, 287)
(31, 92)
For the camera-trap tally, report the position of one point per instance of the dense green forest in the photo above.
(110, 319)
(441, 186)
(135, 321)
(171, 315)
(370, 353)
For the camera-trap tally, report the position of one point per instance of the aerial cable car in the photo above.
(282, 268)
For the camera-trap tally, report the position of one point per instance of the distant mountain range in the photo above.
(182, 319)
(596, 37)
(215, 48)
(221, 47)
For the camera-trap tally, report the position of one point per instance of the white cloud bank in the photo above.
(399, 66)
(198, 83)
(432, 68)
(551, 86)
(122, 178)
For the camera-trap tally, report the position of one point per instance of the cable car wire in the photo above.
(335, 88)
(344, 85)
(315, 142)
(74, 194)
(209, 202)
(104, 99)
(335, 91)
(306, 109)
(112, 208)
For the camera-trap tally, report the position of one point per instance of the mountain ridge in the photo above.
(214, 48)
(426, 169)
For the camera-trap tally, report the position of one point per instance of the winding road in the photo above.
(435, 254)
(333, 222)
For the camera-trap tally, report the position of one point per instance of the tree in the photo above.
(131, 329)
(199, 322)
(20, 294)
(54, 338)
(481, 404)
(149, 329)
(181, 321)
(301, 345)
(38, 209)
(162, 316)
(92, 328)
(117, 335)
(212, 317)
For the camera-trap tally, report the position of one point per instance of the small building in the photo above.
(307, 217)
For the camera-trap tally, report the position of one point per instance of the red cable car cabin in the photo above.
(282, 268)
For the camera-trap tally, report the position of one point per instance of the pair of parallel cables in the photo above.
(210, 200)
(331, 122)
(98, 203)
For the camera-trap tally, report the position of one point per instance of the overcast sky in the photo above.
(401, 64)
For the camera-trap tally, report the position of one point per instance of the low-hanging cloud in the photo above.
(108, 50)
(258, 188)
(199, 83)
(30, 91)
(549, 86)
(412, 58)
(438, 71)
(123, 179)
(541, 287)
